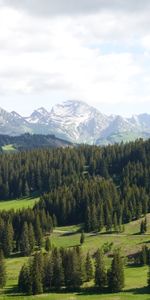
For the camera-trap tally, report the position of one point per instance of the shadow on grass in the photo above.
(16, 255)
(135, 291)
(69, 233)
(11, 291)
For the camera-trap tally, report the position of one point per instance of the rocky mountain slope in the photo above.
(77, 122)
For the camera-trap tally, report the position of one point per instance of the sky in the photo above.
(97, 51)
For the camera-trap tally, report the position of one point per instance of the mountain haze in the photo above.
(77, 122)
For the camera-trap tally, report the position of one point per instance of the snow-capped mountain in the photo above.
(77, 122)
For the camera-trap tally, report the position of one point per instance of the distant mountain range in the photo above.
(76, 122)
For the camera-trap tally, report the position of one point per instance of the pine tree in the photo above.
(24, 243)
(115, 223)
(88, 268)
(145, 225)
(148, 277)
(48, 245)
(48, 271)
(142, 231)
(77, 268)
(144, 255)
(31, 237)
(58, 272)
(100, 272)
(116, 273)
(82, 238)
(7, 239)
(25, 280)
(38, 232)
(2, 270)
(37, 285)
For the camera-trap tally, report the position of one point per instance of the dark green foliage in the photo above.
(148, 277)
(25, 280)
(7, 239)
(82, 238)
(2, 270)
(144, 255)
(100, 271)
(97, 186)
(53, 270)
(116, 273)
(37, 274)
(24, 243)
(88, 268)
(48, 245)
(58, 271)
(38, 232)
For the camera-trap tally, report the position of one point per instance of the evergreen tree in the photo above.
(25, 244)
(31, 237)
(48, 245)
(38, 232)
(145, 225)
(82, 238)
(142, 227)
(7, 239)
(37, 284)
(58, 272)
(148, 277)
(144, 254)
(88, 268)
(2, 270)
(25, 280)
(116, 273)
(100, 272)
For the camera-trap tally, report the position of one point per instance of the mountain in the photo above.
(76, 122)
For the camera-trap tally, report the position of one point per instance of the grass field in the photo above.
(9, 148)
(129, 241)
(18, 204)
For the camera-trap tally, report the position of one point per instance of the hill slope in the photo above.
(28, 141)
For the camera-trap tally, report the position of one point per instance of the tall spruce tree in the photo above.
(100, 271)
(116, 273)
(25, 280)
(48, 245)
(37, 280)
(148, 277)
(82, 238)
(7, 239)
(38, 232)
(88, 268)
(2, 270)
(24, 243)
(58, 271)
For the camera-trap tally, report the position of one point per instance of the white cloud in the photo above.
(97, 57)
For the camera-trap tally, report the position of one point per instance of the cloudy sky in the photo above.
(97, 51)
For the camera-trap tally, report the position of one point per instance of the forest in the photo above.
(101, 188)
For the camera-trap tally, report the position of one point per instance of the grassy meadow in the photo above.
(9, 148)
(18, 204)
(129, 241)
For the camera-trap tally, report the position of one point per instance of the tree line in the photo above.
(22, 231)
(68, 269)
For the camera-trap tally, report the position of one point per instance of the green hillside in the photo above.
(130, 240)
(18, 204)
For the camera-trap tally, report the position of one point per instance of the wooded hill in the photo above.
(30, 141)
(97, 186)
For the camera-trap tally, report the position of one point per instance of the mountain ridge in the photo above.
(77, 122)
